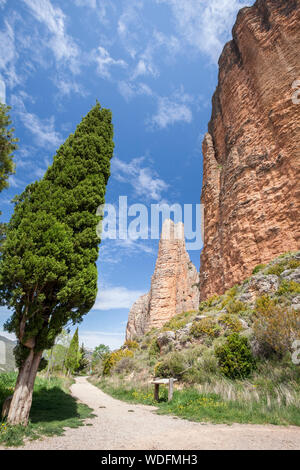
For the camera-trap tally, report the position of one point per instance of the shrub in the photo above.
(278, 268)
(178, 321)
(235, 306)
(208, 362)
(235, 357)
(173, 365)
(258, 268)
(131, 345)
(275, 326)
(110, 360)
(288, 287)
(154, 349)
(205, 305)
(126, 364)
(231, 322)
(205, 327)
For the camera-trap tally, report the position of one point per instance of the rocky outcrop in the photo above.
(174, 285)
(252, 149)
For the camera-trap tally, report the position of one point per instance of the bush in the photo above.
(205, 327)
(231, 322)
(288, 287)
(278, 268)
(127, 364)
(275, 326)
(154, 349)
(235, 357)
(110, 360)
(206, 304)
(173, 365)
(131, 345)
(235, 307)
(208, 362)
(259, 268)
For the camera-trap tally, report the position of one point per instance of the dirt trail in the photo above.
(119, 425)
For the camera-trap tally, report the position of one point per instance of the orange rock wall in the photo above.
(252, 149)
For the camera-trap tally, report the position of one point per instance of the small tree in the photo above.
(99, 353)
(57, 354)
(276, 326)
(48, 273)
(83, 360)
(7, 146)
(73, 354)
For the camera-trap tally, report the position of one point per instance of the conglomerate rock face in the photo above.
(174, 285)
(252, 149)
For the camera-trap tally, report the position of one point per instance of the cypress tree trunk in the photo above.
(22, 398)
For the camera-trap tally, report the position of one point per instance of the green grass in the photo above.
(53, 409)
(209, 407)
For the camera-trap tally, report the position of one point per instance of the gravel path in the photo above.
(119, 425)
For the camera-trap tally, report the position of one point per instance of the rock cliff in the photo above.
(252, 149)
(174, 285)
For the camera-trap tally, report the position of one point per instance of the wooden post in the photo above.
(170, 394)
(156, 392)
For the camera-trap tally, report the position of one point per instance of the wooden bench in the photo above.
(158, 382)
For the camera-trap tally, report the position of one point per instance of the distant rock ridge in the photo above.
(251, 152)
(174, 285)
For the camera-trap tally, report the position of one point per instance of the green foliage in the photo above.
(288, 287)
(210, 302)
(48, 272)
(205, 327)
(7, 146)
(53, 410)
(178, 321)
(231, 322)
(235, 306)
(100, 351)
(275, 326)
(132, 345)
(279, 267)
(235, 357)
(173, 365)
(73, 355)
(83, 360)
(154, 349)
(259, 268)
(111, 360)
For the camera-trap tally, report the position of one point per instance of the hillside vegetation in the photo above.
(235, 359)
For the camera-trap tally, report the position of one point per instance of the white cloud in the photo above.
(91, 339)
(144, 180)
(67, 87)
(205, 25)
(8, 55)
(128, 90)
(112, 298)
(86, 3)
(2, 91)
(171, 111)
(145, 66)
(2, 3)
(43, 130)
(104, 62)
(62, 45)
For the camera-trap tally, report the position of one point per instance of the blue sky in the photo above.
(154, 64)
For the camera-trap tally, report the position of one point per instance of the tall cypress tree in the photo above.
(73, 354)
(48, 273)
